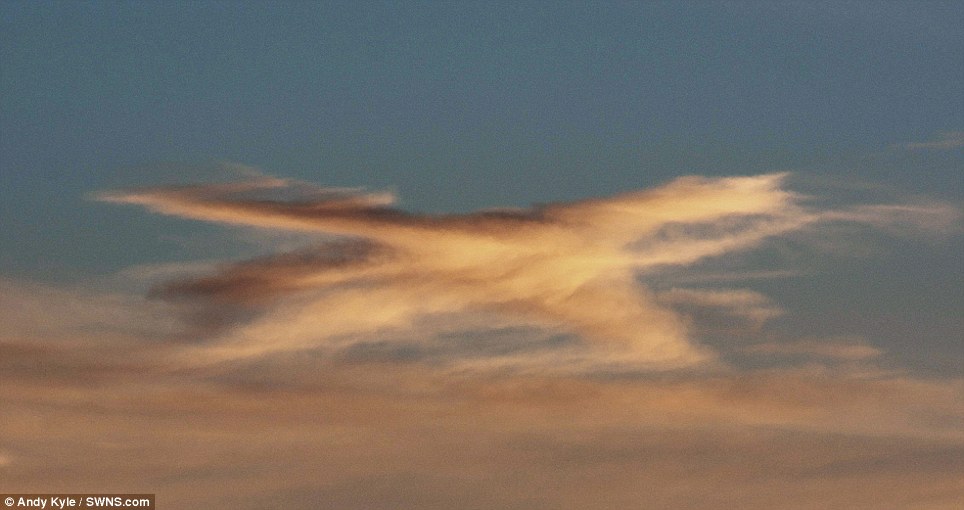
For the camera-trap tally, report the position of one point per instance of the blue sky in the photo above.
(818, 310)
(456, 105)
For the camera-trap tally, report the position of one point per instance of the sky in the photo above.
(484, 254)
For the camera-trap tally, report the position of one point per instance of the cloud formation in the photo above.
(843, 349)
(501, 359)
(746, 304)
(294, 430)
(572, 268)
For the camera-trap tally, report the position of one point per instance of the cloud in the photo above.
(502, 357)
(286, 431)
(566, 265)
(749, 305)
(946, 141)
(835, 348)
(548, 357)
(563, 268)
(110, 317)
(904, 218)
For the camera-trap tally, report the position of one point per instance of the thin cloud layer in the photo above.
(845, 349)
(563, 268)
(500, 359)
(751, 306)
(296, 431)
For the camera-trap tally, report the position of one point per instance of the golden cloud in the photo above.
(535, 334)
(572, 267)
(567, 267)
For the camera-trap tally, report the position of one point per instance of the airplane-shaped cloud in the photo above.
(568, 267)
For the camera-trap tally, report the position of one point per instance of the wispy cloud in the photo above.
(569, 267)
(910, 217)
(749, 305)
(295, 428)
(946, 141)
(504, 358)
(836, 348)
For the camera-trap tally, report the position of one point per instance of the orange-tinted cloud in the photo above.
(568, 267)
(495, 360)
